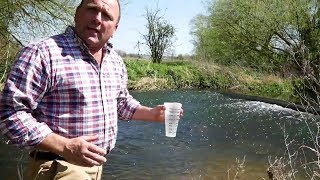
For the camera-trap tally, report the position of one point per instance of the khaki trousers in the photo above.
(60, 170)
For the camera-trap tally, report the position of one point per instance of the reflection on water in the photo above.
(214, 131)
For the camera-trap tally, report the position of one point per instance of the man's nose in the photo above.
(97, 18)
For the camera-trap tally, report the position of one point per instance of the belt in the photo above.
(40, 155)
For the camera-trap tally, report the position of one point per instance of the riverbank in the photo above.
(232, 81)
(144, 75)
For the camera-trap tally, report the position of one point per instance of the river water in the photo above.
(214, 132)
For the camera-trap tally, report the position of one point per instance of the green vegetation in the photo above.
(147, 75)
(21, 21)
(144, 74)
(7, 53)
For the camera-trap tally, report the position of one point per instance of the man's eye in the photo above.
(91, 9)
(106, 16)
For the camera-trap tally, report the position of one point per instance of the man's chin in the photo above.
(94, 43)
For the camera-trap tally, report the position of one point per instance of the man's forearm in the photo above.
(53, 143)
(155, 114)
(142, 113)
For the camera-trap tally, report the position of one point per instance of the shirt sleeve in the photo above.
(127, 105)
(26, 84)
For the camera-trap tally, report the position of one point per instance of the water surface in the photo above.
(214, 132)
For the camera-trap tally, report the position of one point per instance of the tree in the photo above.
(24, 20)
(259, 34)
(159, 35)
(266, 35)
(27, 19)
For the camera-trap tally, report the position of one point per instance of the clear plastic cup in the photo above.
(172, 116)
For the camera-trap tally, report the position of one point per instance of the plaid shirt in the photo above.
(57, 86)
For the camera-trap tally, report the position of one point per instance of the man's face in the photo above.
(96, 21)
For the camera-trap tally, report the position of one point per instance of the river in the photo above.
(214, 132)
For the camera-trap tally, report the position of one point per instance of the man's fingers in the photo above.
(95, 157)
(97, 150)
(82, 151)
(95, 153)
(89, 158)
(88, 162)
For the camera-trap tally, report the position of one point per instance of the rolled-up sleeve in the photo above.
(26, 84)
(127, 105)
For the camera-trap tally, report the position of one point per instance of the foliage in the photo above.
(265, 35)
(144, 74)
(25, 20)
(7, 53)
(159, 35)
(178, 74)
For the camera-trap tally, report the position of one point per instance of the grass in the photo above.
(144, 74)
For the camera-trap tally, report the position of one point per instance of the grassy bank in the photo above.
(193, 74)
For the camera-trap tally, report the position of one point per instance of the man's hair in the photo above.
(118, 7)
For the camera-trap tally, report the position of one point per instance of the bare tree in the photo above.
(159, 35)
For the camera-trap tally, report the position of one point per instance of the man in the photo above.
(64, 95)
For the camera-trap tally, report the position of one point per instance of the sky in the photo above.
(179, 13)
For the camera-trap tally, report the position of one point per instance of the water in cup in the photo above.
(172, 116)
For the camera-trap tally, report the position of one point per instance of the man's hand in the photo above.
(81, 151)
(156, 114)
